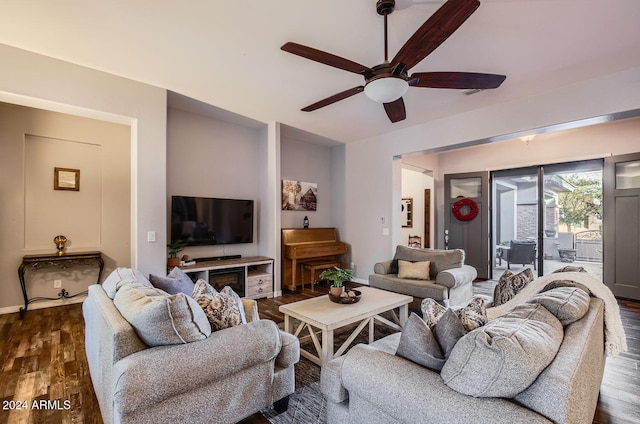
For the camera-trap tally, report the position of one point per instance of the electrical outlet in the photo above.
(57, 284)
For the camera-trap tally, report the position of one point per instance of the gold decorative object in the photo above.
(60, 242)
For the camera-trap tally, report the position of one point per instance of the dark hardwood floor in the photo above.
(43, 360)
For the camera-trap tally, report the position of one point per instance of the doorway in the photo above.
(548, 217)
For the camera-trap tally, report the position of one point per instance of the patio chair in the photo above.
(521, 252)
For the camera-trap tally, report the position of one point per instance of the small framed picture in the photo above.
(66, 179)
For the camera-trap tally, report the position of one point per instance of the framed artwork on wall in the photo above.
(66, 179)
(299, 196)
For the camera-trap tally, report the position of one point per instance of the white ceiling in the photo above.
(227, 54)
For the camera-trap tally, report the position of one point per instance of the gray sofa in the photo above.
(449, 283)
(223, 378)
(372, 385)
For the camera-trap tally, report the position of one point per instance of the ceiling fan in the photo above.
(388, 82)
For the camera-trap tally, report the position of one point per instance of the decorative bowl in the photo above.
(346, 300)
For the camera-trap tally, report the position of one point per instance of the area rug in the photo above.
(307, 405)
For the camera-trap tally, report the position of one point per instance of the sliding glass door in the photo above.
(515, 219)
(547, 217)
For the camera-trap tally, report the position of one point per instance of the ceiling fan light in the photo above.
(386, 90)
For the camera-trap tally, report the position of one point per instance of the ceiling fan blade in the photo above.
(396, 110)
(335, 98)
(444, 22)
(459, 80)
(325, 58)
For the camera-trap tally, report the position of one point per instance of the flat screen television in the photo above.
(202, 221)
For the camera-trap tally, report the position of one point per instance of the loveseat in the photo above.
(222, 377)
(372, 384)
(449, 280)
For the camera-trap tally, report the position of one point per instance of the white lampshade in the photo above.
(387, 89)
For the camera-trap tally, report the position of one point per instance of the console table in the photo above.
(54, 260)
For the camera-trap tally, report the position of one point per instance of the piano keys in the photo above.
(300, 245)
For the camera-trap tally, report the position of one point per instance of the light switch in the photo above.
(151, 236)
(385, 231)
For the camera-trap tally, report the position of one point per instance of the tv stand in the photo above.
(258, 272)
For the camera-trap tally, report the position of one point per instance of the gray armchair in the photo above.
(521, 252)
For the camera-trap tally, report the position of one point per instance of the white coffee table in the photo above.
(322, 314)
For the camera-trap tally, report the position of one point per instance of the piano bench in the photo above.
(314, 267)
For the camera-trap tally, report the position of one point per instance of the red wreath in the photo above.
(457, 209)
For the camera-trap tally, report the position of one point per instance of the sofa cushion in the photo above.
(510, 284)
(440, 259)
(224, 310)
(568, 304)
(505, 356)
(413, 270)
(120, 277)
(160, 318)
(176, 282)
(472, 315)
(419, 345)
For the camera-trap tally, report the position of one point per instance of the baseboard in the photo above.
(42, 305)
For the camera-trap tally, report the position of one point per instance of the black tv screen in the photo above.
(201, 221)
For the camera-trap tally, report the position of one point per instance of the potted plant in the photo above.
(173, 249)
(338, 277)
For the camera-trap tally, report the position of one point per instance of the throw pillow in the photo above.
(566, 283)
(568, 304)
(432, 311)
(505, 356)
(224, 310)
(413, 270)
(120, 277)
(202, 289)
(509, 285)
(418, 344)
(159, 318)
(448, 330)
(176, 282)
(472, 315)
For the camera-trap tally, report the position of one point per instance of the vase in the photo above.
(336, 291)
(173, 262)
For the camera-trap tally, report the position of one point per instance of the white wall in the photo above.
(207, 157)
(413, 185)
(373, 182)
(32, 213)
(303, 161)
(33, 80)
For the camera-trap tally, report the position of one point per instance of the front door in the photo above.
(622, 225)
(464, 229)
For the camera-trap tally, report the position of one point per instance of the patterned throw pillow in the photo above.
(472, 315)
(202, 289)
(224, 310)
(510, 284)
(432, 311)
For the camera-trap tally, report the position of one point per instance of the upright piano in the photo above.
(300, 245)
